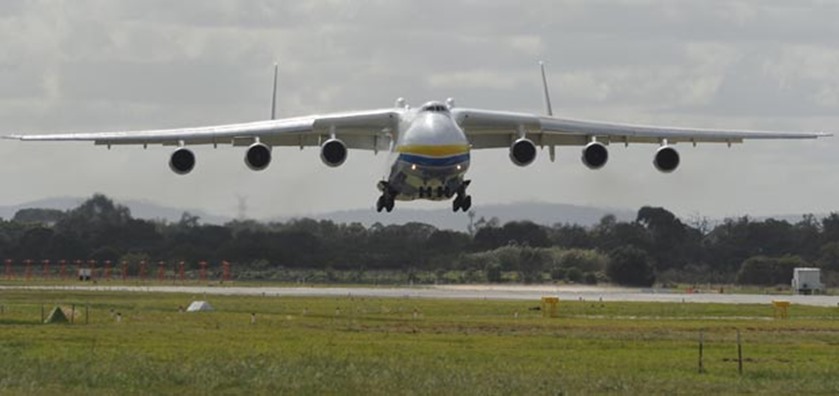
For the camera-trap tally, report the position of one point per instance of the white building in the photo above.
(85, 274)
(807, 281)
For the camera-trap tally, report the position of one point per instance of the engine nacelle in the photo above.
(333, 152)
(258, 156)
(182, 161)
(666, 159)
(523, 152)
(595, 155)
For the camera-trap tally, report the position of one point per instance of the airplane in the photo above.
(429, 145)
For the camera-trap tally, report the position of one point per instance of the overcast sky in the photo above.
(90, 65)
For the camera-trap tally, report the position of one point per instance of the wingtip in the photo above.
(13, 137)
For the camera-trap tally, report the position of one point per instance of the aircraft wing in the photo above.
(495, 129)
(368, 130)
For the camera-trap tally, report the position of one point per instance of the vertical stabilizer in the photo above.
(545, 87)
(274, 95)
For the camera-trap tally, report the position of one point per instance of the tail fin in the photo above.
(274, 95)
(545, 87)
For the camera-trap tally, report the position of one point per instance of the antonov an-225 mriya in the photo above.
(429, 146)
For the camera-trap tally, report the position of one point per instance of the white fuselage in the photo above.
(430, 155)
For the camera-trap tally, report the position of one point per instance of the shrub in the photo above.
(493, 273)
(574, 275)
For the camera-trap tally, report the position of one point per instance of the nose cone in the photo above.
(434, 128)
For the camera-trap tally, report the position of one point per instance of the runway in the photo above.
(470, 292)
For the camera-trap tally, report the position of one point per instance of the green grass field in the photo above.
(407, 346)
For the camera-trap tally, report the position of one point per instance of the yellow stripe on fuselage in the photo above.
(445, 150)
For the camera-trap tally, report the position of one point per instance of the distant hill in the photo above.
(443, 218)
(139, 209)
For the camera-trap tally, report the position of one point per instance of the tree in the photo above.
(768, 271)
(188, 220)
(35, 243)
(446, 242)
(525, 233)
(571, 236)
(585, 260)
(610, 234)
(574, 275)
(829, 256)
(96, 222)
(493, 271)
(531, 262)
(488, 237)
(630, 266)
(830, 228)
(43, 216)
(672, 244)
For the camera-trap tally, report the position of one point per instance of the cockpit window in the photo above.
(435, 107)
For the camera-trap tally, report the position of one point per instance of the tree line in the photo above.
(656, 247)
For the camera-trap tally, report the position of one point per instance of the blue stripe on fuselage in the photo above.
(431, 161)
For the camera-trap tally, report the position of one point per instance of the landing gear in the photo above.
(424, 192)
(386, 200)
(462, 201)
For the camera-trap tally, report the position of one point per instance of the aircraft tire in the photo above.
(457, 203)
(466, 204)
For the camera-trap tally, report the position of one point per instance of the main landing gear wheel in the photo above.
(385, 202)
(462, 201)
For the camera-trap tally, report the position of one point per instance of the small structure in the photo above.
(57, 316)
(548, 307)
(781, 308)
(199, 306)
(85, 274)
(807, 281)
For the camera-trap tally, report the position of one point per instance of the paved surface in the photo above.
(471, 292)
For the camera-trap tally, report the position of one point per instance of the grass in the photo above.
(407, 346)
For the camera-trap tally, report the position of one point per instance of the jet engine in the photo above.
(333, 152)
(258, 156)
(666, 159)
(523, 152)
(182, 161)
(595, 155)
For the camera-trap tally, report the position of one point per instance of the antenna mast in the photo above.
(545, 87)
(274, 95)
